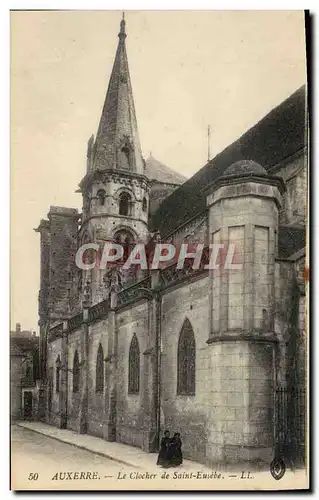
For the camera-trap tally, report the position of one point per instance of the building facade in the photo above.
(203, 352)
(24, 374)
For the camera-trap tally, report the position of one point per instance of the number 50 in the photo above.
(33, 476)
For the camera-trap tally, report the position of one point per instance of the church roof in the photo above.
(290, 240)
(155, 170)
(118, 125)
(279, 135)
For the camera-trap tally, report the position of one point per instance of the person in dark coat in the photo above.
(162, 456)
(174, 455)
(177, 455)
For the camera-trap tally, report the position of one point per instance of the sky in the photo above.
(188, 69)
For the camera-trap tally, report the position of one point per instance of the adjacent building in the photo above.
(24, 373)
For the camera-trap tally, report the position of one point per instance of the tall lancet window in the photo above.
(99, 379)
(76, 372)
(186, 360)
(134, 367)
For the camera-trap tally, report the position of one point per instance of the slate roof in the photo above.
(155, 170)
(280, 134)
(15, 349)
(290, 240)
(24, 343)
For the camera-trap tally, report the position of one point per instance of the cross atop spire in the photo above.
(117, 144)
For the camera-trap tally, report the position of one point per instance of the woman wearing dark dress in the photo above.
(162, 456)
(177, 456)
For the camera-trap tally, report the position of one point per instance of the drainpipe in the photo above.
(64, 377)
(85, 361)
(158, 347)
(154, 295)
(86, 304)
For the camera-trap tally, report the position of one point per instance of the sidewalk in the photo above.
(121, 453)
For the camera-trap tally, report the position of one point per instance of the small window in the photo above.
(186, 360)
(101, 197)
(144, 206)
(134, 367)
(57, 375)
(125, 204)
(76, 372)
(99, 376)
(126, 157)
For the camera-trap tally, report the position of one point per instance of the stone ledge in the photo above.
(231, 337)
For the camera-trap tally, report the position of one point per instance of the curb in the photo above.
(81, 447)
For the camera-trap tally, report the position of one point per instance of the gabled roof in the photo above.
(279, 135)
(25, 343)
(155, 170)
(15, 349)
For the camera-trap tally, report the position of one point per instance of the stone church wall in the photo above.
(75, 339)
(54, 350)
(195, 231)
(129, 425)
(98, 334)
(289, 322)
(294, 173)
(186, 414)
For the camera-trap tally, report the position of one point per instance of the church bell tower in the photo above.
(115, 188)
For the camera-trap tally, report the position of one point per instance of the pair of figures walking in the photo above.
(170, 454)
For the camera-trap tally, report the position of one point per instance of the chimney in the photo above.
(18, 327)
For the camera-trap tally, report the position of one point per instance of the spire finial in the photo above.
(122, 34)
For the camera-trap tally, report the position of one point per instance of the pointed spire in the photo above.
(122, 35)
(117, 144)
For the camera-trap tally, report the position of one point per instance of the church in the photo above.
(219, 356)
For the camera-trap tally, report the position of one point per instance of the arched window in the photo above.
(186, 360)
(123, 237)
(76, 372)
(144, 206)
(134, 367)
(125, 204)
(99, 376)
(101, 197)
(57, 374)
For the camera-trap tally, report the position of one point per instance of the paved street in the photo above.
(33, 453)
(43, 463)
